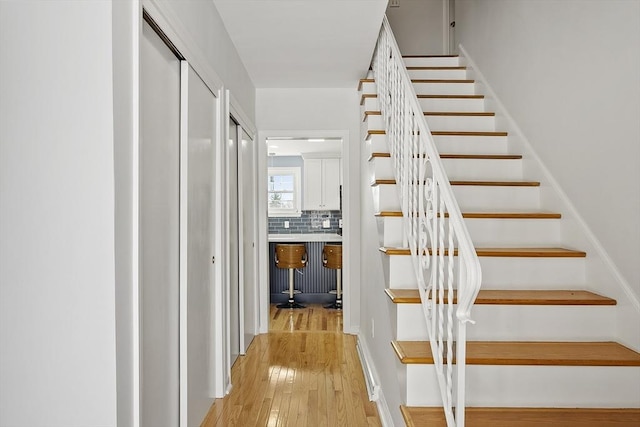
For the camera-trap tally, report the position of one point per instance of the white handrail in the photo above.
(444, 257)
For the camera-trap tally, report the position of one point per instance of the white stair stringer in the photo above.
(532, 386)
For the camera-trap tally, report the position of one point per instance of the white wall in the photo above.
(316, 112)
(569, 74)
(418, 26)
(57, 309)
(203, 23)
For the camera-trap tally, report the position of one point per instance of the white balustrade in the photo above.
(444, 257)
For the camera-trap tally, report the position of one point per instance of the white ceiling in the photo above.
(297, 147)
(303, 43)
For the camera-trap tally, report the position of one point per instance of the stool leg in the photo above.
(338, 304)
(291, 303)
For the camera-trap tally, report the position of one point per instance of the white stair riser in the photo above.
(376, 144)
(492, 198)
(456, 88)
(444, 123)
(449, 144)
(399, 273)
(460, 169)
(442, 61)
(435, 104)
(489, 232)
(385, 198)
(506, 272)
(459, 74)
(472, 198)
(518, 323)
(533, 386)
(471, 144)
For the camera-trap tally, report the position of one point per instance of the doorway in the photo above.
(308, 216)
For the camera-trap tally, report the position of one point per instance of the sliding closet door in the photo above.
(234, 247)
(159, 231)
(197, 249)
(247, 181)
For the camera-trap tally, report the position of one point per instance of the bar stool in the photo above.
(291, 256)
(332, 258)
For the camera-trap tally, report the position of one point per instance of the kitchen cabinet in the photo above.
(321, 185)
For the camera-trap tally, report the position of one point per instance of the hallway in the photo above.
(304, 372)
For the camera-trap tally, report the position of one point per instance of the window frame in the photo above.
(297, 192)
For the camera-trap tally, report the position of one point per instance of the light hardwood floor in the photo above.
(304, 372)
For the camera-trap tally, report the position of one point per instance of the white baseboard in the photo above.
(374, 389)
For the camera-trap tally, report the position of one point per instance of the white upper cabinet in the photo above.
(321, 185)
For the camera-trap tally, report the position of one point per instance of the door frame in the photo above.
(352, 287)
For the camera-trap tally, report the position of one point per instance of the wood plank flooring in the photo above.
(304, 372)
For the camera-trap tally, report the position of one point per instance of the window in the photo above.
(283, 197)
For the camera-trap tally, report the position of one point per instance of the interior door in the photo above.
(197, 370)
(234, 247)
(159, 231)
(247, 204)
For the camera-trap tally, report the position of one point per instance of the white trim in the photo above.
(376, 393)
(241, 263)
(262, 242)
(136, 25)
(556, 188)
(183, 245)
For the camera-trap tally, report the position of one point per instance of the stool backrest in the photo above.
(291, 255)
(332, 256)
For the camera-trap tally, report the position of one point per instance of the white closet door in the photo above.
(247, 177)
(159, 231)
(197, 370)
(234, 247)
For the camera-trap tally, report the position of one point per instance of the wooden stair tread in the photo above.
(430, 56)
(375, 95)
(465, 156)
(441, 113)
(505, 252)
(514, 297)
(490, 215)
(446, 133)
(543, 353)
(526, 417)
(474, 183)
(437, 68)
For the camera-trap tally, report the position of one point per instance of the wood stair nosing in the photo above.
(371, 132)
(430, 56)
(364, 96)
(514, 297)
(473, 183)
(530, 353)
(368, 113)
(416, 68)
(526, 417)
(463, 156)
(488, 215)
(503, 252)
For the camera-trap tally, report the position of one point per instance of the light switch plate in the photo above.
(326, 223)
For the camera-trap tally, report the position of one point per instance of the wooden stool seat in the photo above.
(332, 258)
(291, 256)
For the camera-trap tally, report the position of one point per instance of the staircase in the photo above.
(541, 340)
